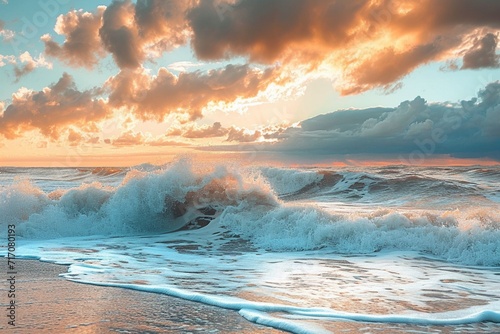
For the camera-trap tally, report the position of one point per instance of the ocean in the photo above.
(302, 249)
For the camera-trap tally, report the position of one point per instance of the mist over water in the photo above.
(292, 248)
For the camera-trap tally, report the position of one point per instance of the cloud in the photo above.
(413, 131)
(483, 53)
(276, 132)
(242, 135)
(6, 34)
(130, 32)
(368, 44)
(119, 36)
(265, 29)
(129, 138)
(161, 24)
(7, 59)
(42, 144)
(52, 110)
(390, 65)
(233, 134)
(215, 130)
(74, 137)
(373, 43)
(82, 46)
(154, 97)
(30, 64)
(393, 123)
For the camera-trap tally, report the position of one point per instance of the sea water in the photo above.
(306, 250)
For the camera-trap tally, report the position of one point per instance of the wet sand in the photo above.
(47, 303)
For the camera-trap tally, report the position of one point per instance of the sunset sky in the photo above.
(299, 81)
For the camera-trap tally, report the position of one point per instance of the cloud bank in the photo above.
(413, 131)
(374, 43)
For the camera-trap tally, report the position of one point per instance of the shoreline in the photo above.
(47, 303)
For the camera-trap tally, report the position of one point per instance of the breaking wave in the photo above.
(275, 209)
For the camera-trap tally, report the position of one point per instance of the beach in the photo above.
(51, 304)
(48, 303)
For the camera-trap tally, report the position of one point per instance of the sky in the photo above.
(120, 83)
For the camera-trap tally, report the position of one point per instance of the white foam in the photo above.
(312, 285)
(292, 227)
(286, 325)
(254, 311)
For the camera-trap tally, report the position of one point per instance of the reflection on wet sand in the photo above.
(50, 304)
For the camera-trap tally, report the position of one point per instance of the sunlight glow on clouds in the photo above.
(247, 53)
(30, 63)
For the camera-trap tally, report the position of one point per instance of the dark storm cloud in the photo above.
(414, 129)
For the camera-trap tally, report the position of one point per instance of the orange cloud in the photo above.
(30, 64)
(82, 46)
(233, 134)
(215, 130)
(388, 66)
(119, 35)
(161, 24)
(130, 32)
(129, 138)
(187, 94)
(372, 42)
(265, 29)
(74, 137)
(52, 109)
(242, 135)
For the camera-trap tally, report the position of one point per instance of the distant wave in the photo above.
(102, 171)
(381, 186)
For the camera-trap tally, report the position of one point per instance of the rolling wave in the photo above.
(270, 207)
